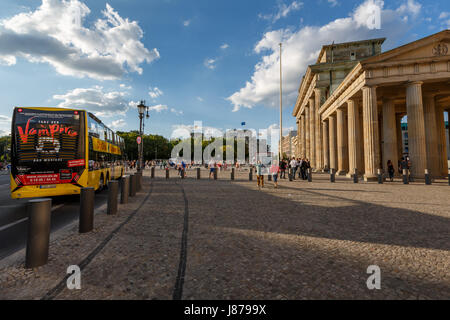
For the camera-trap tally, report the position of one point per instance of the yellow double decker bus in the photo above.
(58, 151)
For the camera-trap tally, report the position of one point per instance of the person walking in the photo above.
(283, 169)
(274, 170)
(293, 167)
(259, 175)
(303, 168)
(404, 166)
(391, 170)
(212, 168)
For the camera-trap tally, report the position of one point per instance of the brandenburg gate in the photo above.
(352, 101)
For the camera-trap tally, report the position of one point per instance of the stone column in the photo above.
(390, 150)
(312, 132)
(342, 142)
(332, 141)
(371, 134)
(303, 145)
(416, 129)
(354, 137)
(326, 146)
(429, 110)
(398, 123)
(441, 142)
(308, 138)
(319, 95)
(299, 139)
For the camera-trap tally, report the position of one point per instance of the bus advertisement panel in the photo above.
(48, 147)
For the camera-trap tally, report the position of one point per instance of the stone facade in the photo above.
(351, 103)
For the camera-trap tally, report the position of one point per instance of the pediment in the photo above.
(432, 47)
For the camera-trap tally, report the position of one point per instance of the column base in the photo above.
(370, 178)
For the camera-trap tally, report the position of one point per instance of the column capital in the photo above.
(366, 87)
(430, 94)
(320, 90)
(414, 83)
(387, 99)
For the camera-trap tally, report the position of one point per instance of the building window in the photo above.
(353, 56)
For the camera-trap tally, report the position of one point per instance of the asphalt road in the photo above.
(14, 221)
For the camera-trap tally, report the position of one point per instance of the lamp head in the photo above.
(141, 107)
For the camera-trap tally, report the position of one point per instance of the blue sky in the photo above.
(202, 60)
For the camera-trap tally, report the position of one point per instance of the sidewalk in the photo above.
(227, 240)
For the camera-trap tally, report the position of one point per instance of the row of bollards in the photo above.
(39, 216)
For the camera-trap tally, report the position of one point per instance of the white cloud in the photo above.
(210, 63)
(117, 124)
(95, 100)
(301, 48)
(5, 125)
(186, 23)
(410, 7)
(200, 99)
(283, 11)
(444, 15)
(158, 108)
(55, 34)
(224, 46)
(333, 3)
(155, 93)
(184, 131)
(124, 86)
(177, 112)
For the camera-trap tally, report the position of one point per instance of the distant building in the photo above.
(287, 145)
(405, 143)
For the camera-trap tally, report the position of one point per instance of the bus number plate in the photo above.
(49, 186)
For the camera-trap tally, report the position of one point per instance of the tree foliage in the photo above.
(155, 146)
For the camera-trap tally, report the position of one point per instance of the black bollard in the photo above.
(309, 175)
(215, 173)
(139, 181)
(125, 189)
(405, 176)
(427, 178)
(113, 192)
(153, 173)
(133, 183)
(86, 223)
(39, 213)
(167, 174)
(380, 177)
(355, 176)
(250, 175)
(198, 173)
(332, 176)
(269, 177)
(449, 177)
(232, 173)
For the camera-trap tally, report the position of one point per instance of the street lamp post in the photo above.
(281, 107)
(141, 109)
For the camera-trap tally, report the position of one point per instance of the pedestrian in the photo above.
(212, 168)
(274, 170)
(283, 169)
(293, 165)
(391, 170)
(303, 168)
(259, 175)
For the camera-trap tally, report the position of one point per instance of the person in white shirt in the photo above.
(293, 167)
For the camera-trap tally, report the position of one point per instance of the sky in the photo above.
(201, 60)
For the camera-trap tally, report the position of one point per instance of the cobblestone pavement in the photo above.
(228, 240)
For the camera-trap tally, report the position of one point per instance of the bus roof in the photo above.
(50, 108)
